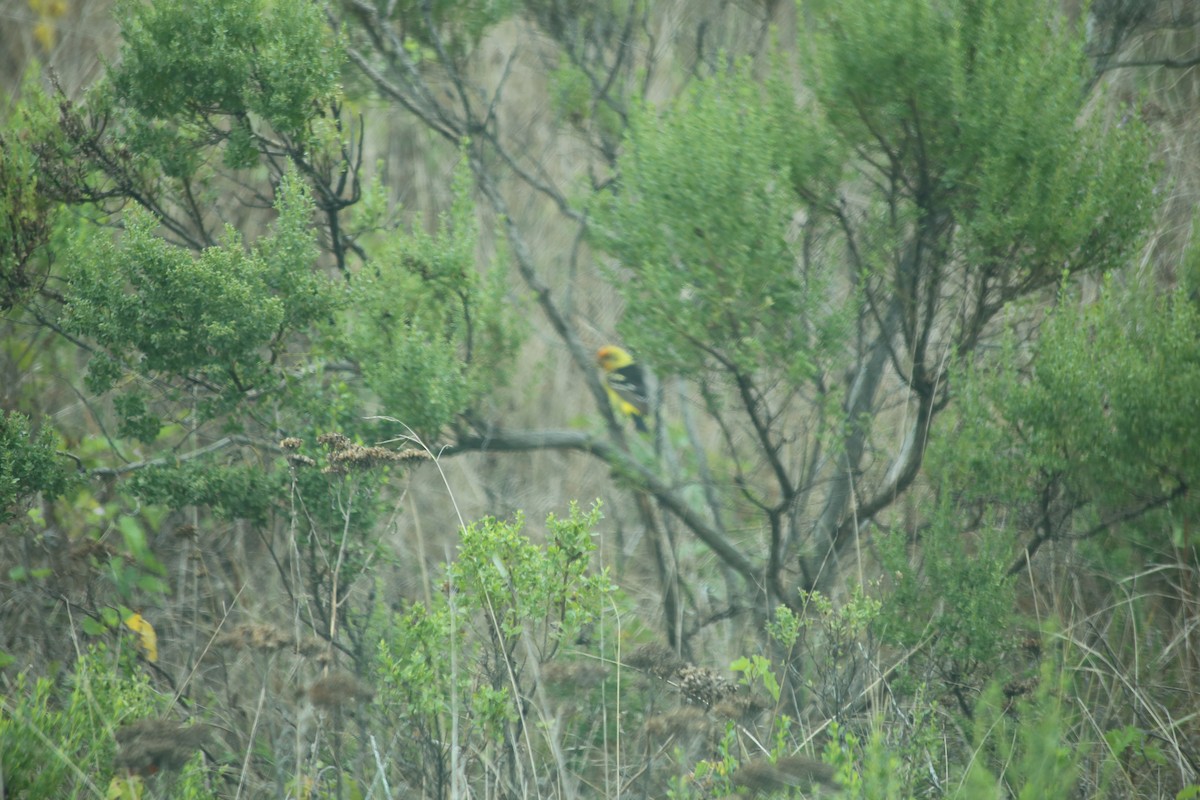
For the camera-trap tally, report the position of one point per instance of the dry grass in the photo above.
(73, 43)
(1138, 660)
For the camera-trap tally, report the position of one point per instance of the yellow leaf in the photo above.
(145, 631)
(129, 787)
(44, 33)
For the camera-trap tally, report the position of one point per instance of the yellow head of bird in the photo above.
(611, 357)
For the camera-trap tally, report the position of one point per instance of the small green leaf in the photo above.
(149, 583)
(131, 531)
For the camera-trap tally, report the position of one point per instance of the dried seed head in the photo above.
(290, 443)
(345, 455)
(577, 675)
(85, 548)
(312, 647)
(337, 690)
(656, 659)
(1019, 687)
(356, 456)
(150, 745)
(740, 706)
(333, 441)
(703, 686)
(798, 772)
(680, 723)
(254, 636)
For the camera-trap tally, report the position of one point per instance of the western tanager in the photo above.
(626, 383)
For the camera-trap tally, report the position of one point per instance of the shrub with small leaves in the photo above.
(57, 739)
(470, 659)
(187, 61)
(218, 319)
(432, 335)
(28, 464)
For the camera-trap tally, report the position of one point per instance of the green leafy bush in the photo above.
(463, 675)
(28, 464)
(182, 62)
(57, 738)
(431, 334)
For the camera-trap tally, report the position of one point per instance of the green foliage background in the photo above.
(915, 518)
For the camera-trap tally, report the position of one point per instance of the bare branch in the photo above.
(220, 444)
(1128, 514)
(625, 466)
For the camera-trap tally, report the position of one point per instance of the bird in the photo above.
(625, 381)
